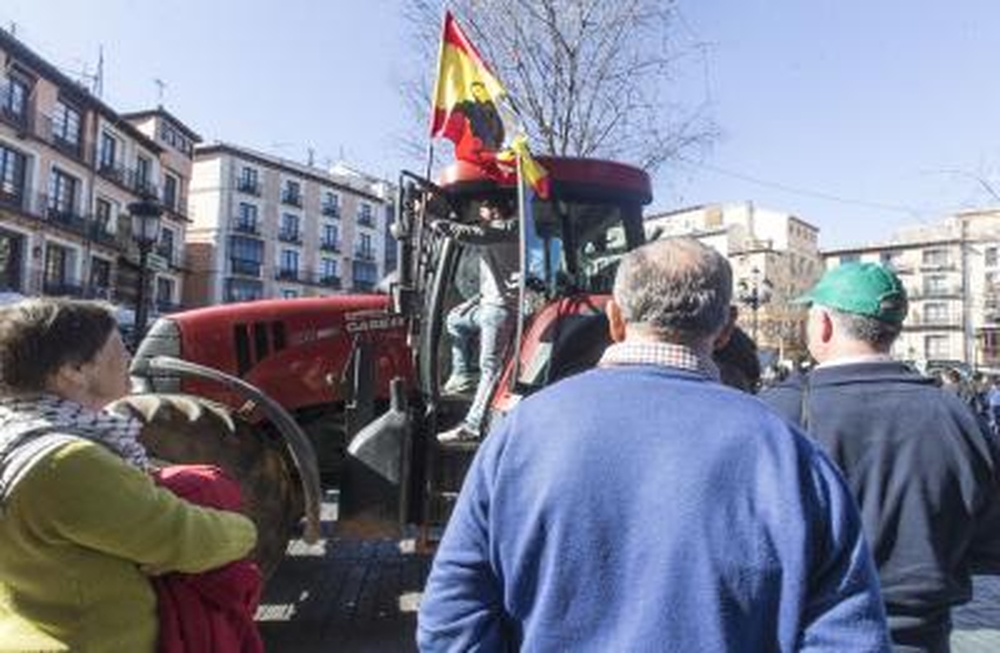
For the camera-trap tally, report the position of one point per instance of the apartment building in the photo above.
(266, 227)
(952, 277)
(775, 258)
(69, 167)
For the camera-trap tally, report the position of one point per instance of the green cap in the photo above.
(862, 288)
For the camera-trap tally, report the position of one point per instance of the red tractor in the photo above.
(296, 397)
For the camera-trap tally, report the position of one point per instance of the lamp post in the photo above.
(754, 291)
(146, 214)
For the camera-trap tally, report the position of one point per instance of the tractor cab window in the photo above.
(575, 246)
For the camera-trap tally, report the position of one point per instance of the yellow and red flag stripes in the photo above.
(532, 172)
(466, 95)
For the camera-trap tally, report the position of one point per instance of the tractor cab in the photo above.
(569, 245)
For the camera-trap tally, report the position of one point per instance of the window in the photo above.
(62, 193)
(936, 313)
(100, 277)
(246, 220)
(328, 267)
(174, 138)
(991, 257)
(243, 290)
(331, 204)
(58, 267)
(288, 293)
(11, 257)
(143, 172)
(66, 124)
(365, 215)
(14, 99)
(364, 250)
(850, 258)
(246, 255)
(102, 216)
(289, 262)
(248, 181)
(12, 170)
(166, 247)
(109, 148)
(164, 293)
(936, 285)
(329, 237)
(365, 274)
(170, 192)
(936, 347)
(292, 193)
(289, 231)
(935, 257)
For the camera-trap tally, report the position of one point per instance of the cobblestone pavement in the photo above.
(361, 596)
(977, 625)
(343, 595)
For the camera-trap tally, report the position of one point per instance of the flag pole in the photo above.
(522, 278)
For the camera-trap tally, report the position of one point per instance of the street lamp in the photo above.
(754, 292)
(146, 214)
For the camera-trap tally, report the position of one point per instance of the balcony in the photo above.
(293, 236)
(330, 210)
(139, 183)
(329, 246)
(112, 172)
(937, 266)
(286, 274)
(364, 285)
(933, 322)
(62, 288)
(21, 121)
(248, 186)
(364, 255)
(66, 219)
(366, 220)
(167, 254)
(99, 232)
(166, 306)
(243, 226)
(292, 199)
(330, 281)
(245, 267)
(949, 292)
(14, 201)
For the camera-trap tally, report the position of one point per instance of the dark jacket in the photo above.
(925, 476)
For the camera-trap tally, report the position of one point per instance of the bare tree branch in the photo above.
(590, 77)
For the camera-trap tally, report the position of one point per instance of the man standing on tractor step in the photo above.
(915, 456)
(644, 506)
(492, 313)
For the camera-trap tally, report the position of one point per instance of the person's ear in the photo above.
(826, 327)
(616, 322)
(726, 333)
(66, 380)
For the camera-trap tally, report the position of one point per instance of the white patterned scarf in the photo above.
(32, 427)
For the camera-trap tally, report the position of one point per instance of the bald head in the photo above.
(676, 290)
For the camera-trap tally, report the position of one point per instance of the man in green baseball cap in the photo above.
(867, 289)
(910, 452)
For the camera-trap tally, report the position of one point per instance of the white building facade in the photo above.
(264, 227)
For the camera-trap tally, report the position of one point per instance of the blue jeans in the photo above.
(494, 325)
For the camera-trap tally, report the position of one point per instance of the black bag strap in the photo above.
(804, 405)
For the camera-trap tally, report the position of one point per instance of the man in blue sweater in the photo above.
(643, 506)
(915, 456)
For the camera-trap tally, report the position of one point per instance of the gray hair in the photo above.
(677, 288)
(873, 331)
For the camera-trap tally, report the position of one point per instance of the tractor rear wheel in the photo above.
(185, 429)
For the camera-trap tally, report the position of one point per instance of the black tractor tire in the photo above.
(185, 429)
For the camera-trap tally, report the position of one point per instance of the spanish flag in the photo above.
(468, 101)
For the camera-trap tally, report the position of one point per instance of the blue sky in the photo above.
(856, 116)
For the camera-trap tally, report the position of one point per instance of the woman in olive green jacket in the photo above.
(82, 524)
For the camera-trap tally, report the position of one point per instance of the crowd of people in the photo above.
(652, 503)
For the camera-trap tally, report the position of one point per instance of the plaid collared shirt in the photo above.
(658, 353)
